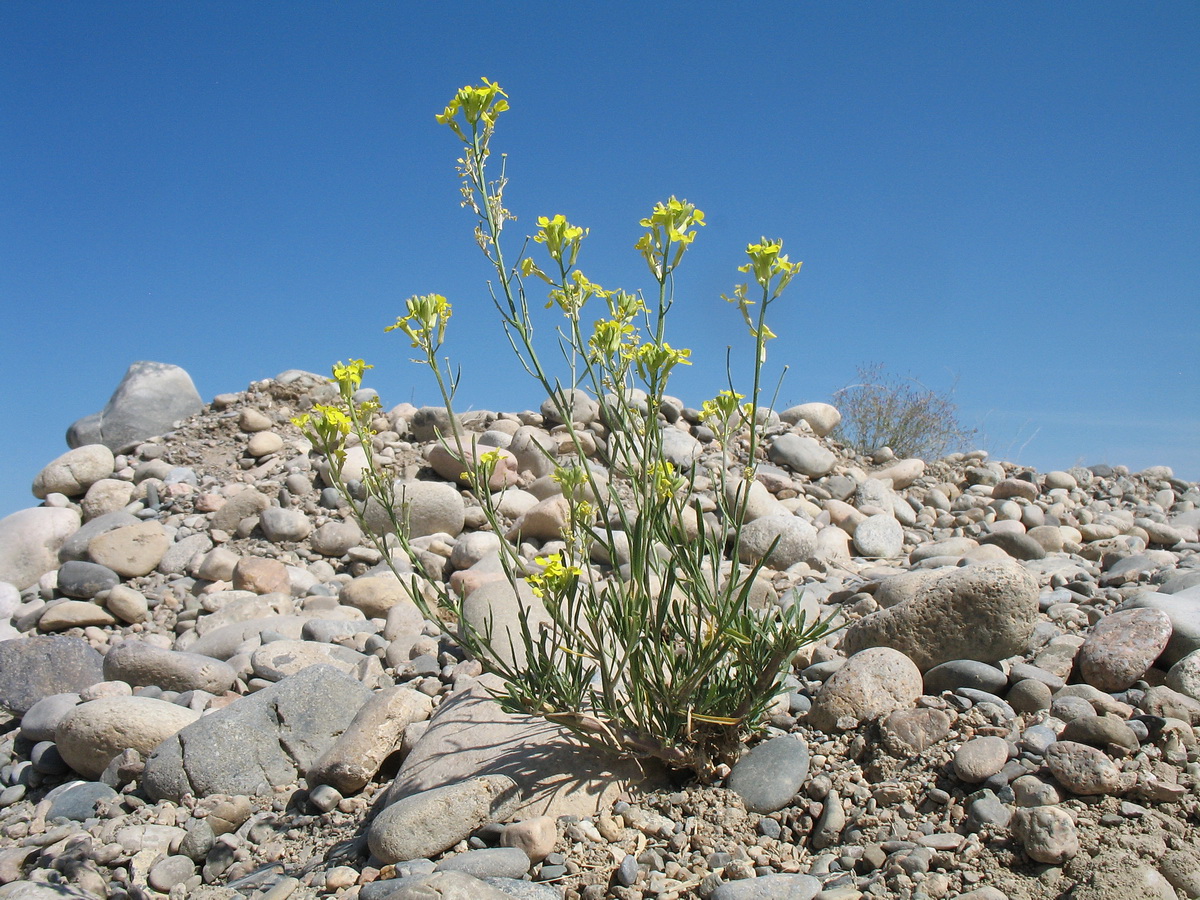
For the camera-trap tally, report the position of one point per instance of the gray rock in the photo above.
(40, 890)
(77, 800)
(180, 554)
(284, 525)
(769, 887)
(74, 472)
(84, 580)
(241, 505)
(580, 407)
(336, 538)
(802, 454)
(42, 718)
(797, 541)
(430, 822)
(438, 886)
(957, 673)
(495, 862)
(497, 606)
(771, 774)
(33, 668)
(680, 449)
(985, 612)
(30, 540)
(138, 663)
(524, 890)
(1015, 544)
(428, 507)
(76, 546)
(980, 758)
(150, 398)
(375, 733)
(262, 741)
(879, 537)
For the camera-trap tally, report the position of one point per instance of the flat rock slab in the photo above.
(470, 735)
(263, 741)
(984, 612)
(33, 668)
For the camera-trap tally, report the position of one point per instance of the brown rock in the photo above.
(261, 576)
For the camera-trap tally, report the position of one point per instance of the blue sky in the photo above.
(1004, 198)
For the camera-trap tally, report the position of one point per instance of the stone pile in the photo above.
(214, 687)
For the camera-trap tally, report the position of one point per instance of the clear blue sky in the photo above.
(1002, 194)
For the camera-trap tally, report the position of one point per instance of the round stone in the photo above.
(264, 443)
(284, 525)
(169, 872)
(879, 536)
(980, 758)
(872, 683)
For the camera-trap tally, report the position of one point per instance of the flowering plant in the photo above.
(644, 638)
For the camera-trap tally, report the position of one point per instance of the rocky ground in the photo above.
(213, 689)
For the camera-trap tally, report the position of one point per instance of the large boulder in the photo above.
(985, 612)
(74, 472)
(149, 400)
(30, 540)
(260, 742)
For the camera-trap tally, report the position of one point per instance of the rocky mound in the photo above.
(213, 688)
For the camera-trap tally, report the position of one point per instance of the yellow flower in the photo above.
(555, 578)
(350, 375)
(425, 322)
(672, 228)
(475, 103)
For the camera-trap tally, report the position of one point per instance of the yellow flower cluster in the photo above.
(425, 321)
(555, 578)
(475, 104)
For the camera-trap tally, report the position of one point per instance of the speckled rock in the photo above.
(1085, 770)
(1122, 646)
(984, 612)
(1047, 833)
(872, 683)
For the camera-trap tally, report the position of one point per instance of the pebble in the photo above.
(980, 759)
